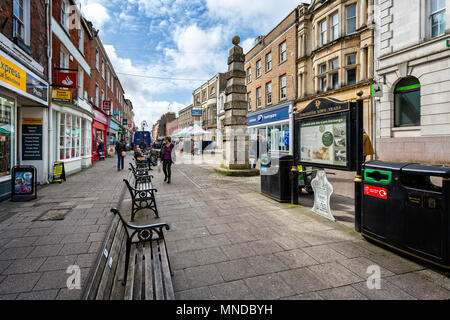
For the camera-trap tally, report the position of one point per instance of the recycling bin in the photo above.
(275, 176)
(406, 206)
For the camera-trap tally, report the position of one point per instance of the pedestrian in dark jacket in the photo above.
(167, 155)
(142, 145)
(101, 150)
(120, 147)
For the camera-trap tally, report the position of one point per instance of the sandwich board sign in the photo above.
(59, 173)
(322, 193)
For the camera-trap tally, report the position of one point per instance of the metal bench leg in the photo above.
(154, 208)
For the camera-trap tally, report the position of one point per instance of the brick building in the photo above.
(271, 85)
(172, 127)
(24, 85)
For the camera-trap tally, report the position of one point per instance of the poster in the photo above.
(59, 174)
(32, 139)
(23, 182)
(324, 141)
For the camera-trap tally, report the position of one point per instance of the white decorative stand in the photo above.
(322, 193)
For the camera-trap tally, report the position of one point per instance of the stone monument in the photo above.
(235, 150)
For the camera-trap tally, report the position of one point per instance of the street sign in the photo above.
(377, 90)
(106, 105)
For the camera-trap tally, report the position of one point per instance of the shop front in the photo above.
(99, 133)
(269, 129)
(23, 121)
(113, 135)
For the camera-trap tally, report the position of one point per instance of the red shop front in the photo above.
(99, 128)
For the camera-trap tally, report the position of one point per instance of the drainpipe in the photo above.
(48, 5)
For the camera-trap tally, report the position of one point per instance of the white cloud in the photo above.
(96, 13)
(247, 44)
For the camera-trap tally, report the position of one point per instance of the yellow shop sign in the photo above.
(61, 95)
(12, 74)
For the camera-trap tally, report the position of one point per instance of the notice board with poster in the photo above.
(24, 183)
(325, 132)
(59, 173)
(32, 139)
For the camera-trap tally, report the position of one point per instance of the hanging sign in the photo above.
(106, 105)
(322, 193)
(32, 139)
(68, 80)
(64, 96)
(124, 122)
(59, 173)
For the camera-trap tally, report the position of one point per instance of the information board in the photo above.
(324, 141)
(32, 139)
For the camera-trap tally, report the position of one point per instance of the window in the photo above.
(103, 99)
(351, 72)
(103, 69)
(283, 87)
(269, 61)
(81, 40)
(97, 59)
(437, 17)
(108, 79)
(334, 77)
(213, 90)
(282, 52)
(351, 19)
(258, 68)
(334, 64)
(249, 100)
(323, 68)
(80, 80)
(351, 59)
(63, 59)
(323, 32)
(249, 75)
(7, 136)
(334, 26)
(112, 84)
(96, 95)
(21, 20)
(65, 14)
(407, 102)
(258, 97)
(69, 136)
(323, 78)
(269, 93)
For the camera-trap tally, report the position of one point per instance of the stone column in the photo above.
(235, 150)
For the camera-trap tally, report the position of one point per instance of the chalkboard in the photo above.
(32, 139)
(59, 173)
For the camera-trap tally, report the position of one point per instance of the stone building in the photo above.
(165, 118)
(413, 68)
(172, 127)
(185, 118)
(271, 85)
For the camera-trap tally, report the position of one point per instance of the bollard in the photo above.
(294, 184)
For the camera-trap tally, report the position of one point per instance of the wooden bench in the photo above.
(142, 194)
(141, 164)
(133, 264)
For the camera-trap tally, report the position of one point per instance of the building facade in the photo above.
(24, 86)
(172, 127)
(271, 86)
(185, 118)
(413, 69)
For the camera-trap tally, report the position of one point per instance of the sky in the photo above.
(186, 42)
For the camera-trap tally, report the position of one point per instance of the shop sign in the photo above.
(100, 117)
(117, 112)
(106, 105)
(114, 125)
(124, 122)
(68, 80)
(196, 112)
(37, 88)
(12, 74)
(59, 173)
(322, 194)
(375, 192)
(32, 139)
(271, 116)
(59, 95)
(129, 125)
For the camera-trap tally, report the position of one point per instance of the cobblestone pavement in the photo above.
(35, 254)
(227, 241)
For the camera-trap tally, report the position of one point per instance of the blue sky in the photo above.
(182, 39)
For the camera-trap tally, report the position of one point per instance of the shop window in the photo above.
(437, 17)
(7, 134)
(69, 136)
(351, 19)
(407, 102)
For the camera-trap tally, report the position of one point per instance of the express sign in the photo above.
(375, 192)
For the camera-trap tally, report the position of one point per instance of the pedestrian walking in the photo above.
(121, 153)
(367, 146)
(168, 157)
(101, 150)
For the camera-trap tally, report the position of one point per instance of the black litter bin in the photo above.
(406, 206)
(275, 176)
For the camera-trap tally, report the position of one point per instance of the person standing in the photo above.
(120, 147)
(367, 146)
(167, 157)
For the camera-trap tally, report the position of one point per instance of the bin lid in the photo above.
(383, 165)
(440, 171)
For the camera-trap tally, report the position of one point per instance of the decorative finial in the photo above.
(236, 40)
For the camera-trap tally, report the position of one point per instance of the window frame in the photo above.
(283, 54)
(249, 74)
(258, 97)
(347, 19)
(25, 22)
(249, 100)
(415, 88)
(269, 62)
(269, 96)
(334, 28)
(283, 87)
(438, 12)
(258, 70)
(323, 33)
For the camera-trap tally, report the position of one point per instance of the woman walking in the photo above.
(168, 157)
(120, 149)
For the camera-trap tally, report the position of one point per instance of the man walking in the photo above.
(120, 149)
